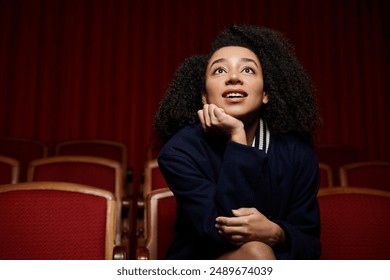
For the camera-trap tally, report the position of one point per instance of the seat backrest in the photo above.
(93, 171)
(24, 151)
(161, 216)
(153, 150)
(9, 170)
(153, 177)
(336, 156)
(56, 220)
(153, 180)
(87, 170)
(369, 174)
(326, 175)
(354, 223)
(94, 147)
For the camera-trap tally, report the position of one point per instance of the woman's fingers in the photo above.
(212, 115)
(235, 239)
(229, 221)
(214, 118)
(219, 113)
(244, 211)
(235, 235)
(206, 115)
(201, 119)
(230, 226)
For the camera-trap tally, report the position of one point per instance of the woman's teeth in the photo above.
(234, 95)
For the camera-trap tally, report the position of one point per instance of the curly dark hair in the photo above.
(292, 106)
(182, 100)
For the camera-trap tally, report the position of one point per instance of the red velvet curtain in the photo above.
(74, 69)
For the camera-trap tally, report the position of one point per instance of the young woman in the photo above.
(237, 128)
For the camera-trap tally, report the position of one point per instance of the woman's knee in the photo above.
(255, 250)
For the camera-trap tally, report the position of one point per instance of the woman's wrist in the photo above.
(278, 237)
(238, 135)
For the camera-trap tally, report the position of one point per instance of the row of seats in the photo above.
(336, 156)
(96, 163)
(38, 215)
(362, 174)
(101, 173)
(23, 151)
(353, 224)
(58, 220)
(340, 212)
(154, 195)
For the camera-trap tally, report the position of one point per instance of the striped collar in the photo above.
(262, 137)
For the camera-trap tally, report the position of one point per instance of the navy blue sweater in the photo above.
(210, 176)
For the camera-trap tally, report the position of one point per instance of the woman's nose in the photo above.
(233, 79)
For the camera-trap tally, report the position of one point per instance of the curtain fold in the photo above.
(98, 69)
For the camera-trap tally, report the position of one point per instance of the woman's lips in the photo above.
(234, 95)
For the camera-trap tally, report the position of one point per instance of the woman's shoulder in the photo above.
(292, 145)
(186, 134)
(187, 138)
(289, 152)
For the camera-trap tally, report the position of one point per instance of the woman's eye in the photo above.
(219, 71)
(248, 70)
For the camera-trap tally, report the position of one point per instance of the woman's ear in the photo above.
(265, 98)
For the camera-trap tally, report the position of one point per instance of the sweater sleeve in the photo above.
(205, 189)
(301, 223)
(242, 171)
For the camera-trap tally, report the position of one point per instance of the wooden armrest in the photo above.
(126, 202)
(119, 253)
(140, 203)
(142, 253)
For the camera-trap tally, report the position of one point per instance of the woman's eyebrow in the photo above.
(218, 61)
(244, 59)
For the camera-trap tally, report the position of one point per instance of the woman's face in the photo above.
(234, 82)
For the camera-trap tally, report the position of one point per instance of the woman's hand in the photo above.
(248, 224)
(214, 118)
